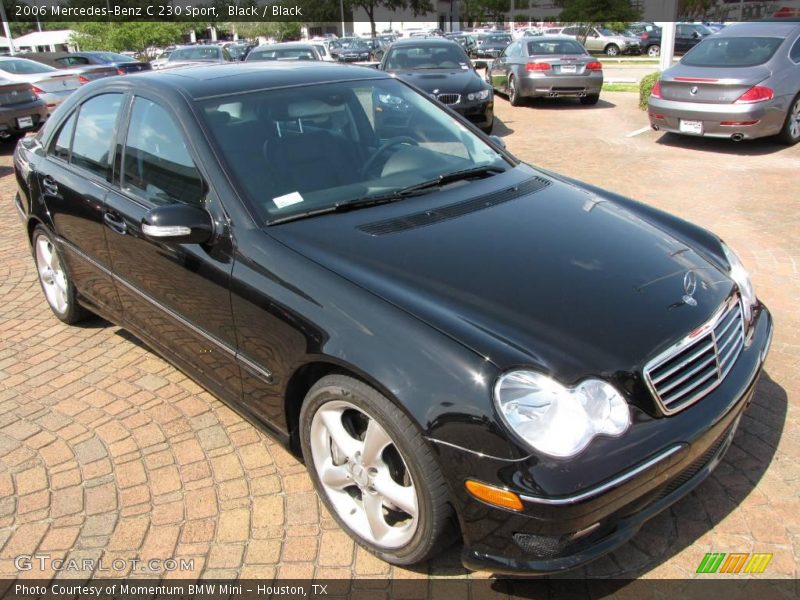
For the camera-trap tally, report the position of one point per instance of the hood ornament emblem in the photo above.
(689, 288)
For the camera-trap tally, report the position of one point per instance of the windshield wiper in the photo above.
(401, 194)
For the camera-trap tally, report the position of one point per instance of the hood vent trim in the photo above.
(455, 210)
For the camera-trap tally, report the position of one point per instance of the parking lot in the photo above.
(107, 451)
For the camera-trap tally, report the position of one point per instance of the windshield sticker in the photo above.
(287, 199)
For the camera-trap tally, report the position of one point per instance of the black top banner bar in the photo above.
(397, 12)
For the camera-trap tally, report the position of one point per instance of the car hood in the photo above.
(437, 81)
(556, 278)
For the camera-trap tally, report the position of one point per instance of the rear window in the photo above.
(24, 67)
(555, 47)
(732, 52)
(282, 54)
(195, 53)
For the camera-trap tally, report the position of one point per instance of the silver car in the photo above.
(600, 39)
(53, 86)
(546, 66)
(741, 83)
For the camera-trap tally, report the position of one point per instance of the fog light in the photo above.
(494, 495)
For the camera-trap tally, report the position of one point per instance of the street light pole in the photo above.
(341, 9)
(7, 31)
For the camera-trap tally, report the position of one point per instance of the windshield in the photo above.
(732, 52)
(296, 53)
(113, 57)
(236, 51)
(555, 47)
(427, 56)
(24, 67)
(605, 32)
(498, 39)
(293, 151)
(195, 53)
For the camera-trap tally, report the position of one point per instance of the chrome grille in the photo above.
(449, 98)
(698, 363)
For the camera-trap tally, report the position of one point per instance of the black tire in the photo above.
(590, 99)
(654, 51)
(435, 521)
(513, 93)
(790, 134)
(488, 130)
(73, 312)
(612, 50)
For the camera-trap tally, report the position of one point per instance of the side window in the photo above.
(60, 147)
(157, 164)
(794, 54)
(94, 133)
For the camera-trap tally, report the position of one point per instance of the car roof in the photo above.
(205, 81)
(770, 28)
(431, 41)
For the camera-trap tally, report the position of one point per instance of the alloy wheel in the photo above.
(654, 51)
(364, 475)
(794, 120)
(52, 275)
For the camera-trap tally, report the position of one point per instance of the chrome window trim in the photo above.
(610, 484)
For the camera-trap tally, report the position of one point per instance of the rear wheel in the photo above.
(513, 92)
(374, 471)
(654, 51)
(790, 134)
(54, 279)
(590, 99)
(612, 50)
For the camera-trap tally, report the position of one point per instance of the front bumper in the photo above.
(767, 118)
(556, 533)
(539, 85)
(479, 112)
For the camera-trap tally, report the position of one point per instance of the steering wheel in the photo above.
(390, 143)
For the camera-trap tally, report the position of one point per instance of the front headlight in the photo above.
(482, 95)
(558, 420)
(742, 280)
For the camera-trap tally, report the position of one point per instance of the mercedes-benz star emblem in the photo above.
(689, 288)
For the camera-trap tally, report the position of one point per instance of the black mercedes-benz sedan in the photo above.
(455, 342)
(441, 68)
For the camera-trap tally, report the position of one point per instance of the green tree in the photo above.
(133, 36)
(279, 30)
(694, 9)
(417, 6)
(597, 11)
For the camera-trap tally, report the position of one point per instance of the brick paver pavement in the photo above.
(107, 451)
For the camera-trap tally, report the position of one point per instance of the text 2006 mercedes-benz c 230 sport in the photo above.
(457, 343)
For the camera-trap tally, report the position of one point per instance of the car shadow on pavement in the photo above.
(500, 129)
(681, 525)
(759, 147)
(566, 104)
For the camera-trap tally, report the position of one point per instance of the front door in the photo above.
(175, 295)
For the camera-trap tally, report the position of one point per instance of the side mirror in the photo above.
(178, 224)
(498, 140)
(480, 64)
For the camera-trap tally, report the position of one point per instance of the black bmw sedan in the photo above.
(455, 342)
(441, 68)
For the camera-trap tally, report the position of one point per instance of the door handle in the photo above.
(50, 185)
(115, 223)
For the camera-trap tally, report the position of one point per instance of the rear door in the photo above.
(74, 179)
(175, 295)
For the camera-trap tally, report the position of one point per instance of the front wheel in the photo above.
(513, 92)
(590, 99)
(654, 51)
(373, 470)
(57, 286)
(790, 134)
(612, 50)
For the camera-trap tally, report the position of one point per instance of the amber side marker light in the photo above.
(493, 495)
